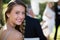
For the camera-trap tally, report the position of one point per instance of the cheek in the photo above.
(23, 16)
(13, 17)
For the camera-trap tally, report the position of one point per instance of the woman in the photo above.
(49, 19)
(15, 15)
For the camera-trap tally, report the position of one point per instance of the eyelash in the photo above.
(18, 13)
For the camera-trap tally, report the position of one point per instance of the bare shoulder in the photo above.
(15, 35)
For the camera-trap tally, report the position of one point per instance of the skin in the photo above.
(59, 2)
(50, 4)
(15, 17)
(31, 13)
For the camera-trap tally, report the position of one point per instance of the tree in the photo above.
(5, 1)
(26, 1)
(1, 15)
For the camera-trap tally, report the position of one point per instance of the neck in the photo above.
(10, 25)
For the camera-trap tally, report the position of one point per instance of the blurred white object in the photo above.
(43, 1)
(31, 39)
(35, 6)
(50, 22)
(52, 0)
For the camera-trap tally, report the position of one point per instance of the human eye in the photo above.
(23, 12)
(17, 12)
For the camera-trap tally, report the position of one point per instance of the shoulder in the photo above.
(15, 35)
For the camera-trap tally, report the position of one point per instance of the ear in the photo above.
(8, 15)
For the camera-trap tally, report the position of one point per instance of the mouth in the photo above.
(20, 20)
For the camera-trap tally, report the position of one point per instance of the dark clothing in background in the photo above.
(57, 21)
(33, 29)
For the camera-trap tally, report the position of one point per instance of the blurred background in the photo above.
(3, 5)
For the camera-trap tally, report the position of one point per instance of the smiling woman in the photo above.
(14, 15)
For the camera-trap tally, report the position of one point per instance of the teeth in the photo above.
(19, 20)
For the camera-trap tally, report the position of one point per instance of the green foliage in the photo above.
(42, 8)
(6, 1)
(26, 1)
(4, 9)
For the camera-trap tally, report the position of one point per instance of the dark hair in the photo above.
(11, 5)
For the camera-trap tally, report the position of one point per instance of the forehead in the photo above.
(18, 7)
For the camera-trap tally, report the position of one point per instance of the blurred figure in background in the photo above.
(33, 27)
(30, 11)
(57, 12)
(48, 19)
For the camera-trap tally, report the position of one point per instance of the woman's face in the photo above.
(17, 15)
(59, 2)
(50, 4)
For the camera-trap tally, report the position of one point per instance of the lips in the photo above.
(19, 20)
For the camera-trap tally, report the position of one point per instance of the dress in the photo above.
(49, 22)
